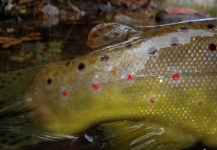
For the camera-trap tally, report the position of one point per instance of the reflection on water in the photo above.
(56, 43)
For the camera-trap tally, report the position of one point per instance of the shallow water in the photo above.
(59, 42)
(67, 40)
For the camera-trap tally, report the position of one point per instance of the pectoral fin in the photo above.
(140, 135)
(13, 141)
(12, 87)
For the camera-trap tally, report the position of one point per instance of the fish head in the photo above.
(62, 98)
(65, 97)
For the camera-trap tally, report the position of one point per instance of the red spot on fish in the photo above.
(95, 85)
(176, 76)
(152, 100)
(65, 93)
(200, 103)
(130, 76)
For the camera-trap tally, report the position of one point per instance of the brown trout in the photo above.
(144, 87)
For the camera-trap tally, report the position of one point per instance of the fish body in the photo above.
(162, 77)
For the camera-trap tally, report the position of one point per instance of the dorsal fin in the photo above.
(107, 33)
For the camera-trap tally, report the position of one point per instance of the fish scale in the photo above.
(162, 78)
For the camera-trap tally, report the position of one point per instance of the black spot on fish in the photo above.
(81, 66)
(212, 47)
(174, 41)
(152, 50)
(128, 45)
(175, 44)
(9, 82)
(49, 81)
(211, 26)
(184, 29)
(67, 64)
(104, 57)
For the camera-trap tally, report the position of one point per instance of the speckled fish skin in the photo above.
(164, 75)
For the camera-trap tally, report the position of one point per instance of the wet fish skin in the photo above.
(163, 76)
(171, 86)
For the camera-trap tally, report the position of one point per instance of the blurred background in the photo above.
(36, 32)
(42, 31)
